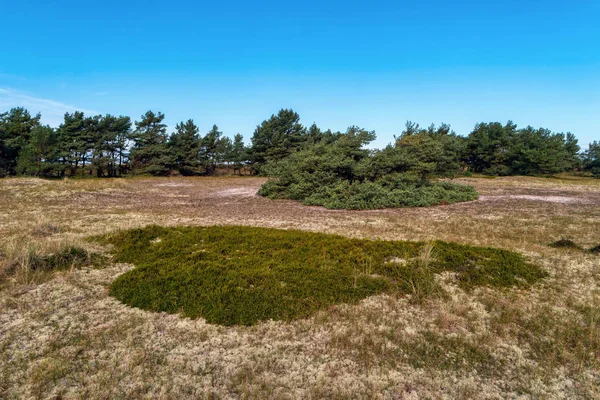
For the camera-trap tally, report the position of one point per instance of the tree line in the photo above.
(111, 146)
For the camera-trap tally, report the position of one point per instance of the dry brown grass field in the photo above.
(63, 336)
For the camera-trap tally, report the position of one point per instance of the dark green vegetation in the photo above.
(341, 173)
(592, 159)
(569, 244)
(109, 146)
(497, 149)
(565, 244)
(242, 275)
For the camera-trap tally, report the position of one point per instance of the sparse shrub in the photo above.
(595, 249)
(565, 244)
(242, 275)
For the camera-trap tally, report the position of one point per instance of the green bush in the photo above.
(242, 275)
(342, 174)
(565, 244)
(371, 195)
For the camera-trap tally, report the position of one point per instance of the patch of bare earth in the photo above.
(67, 338)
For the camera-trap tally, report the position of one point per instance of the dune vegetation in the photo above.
(242, 275)
(63, 333)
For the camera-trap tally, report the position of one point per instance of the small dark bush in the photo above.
(565, 244)
(595, 249)
(242, 275)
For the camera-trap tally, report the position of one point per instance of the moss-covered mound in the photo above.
(241, 275)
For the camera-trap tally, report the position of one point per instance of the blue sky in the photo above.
(374, 64)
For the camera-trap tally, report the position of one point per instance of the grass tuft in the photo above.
(33, 265)
(242, 275)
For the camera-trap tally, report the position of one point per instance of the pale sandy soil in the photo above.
(66, 338)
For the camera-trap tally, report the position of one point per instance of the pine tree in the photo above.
(110, 143)
(238, 153)
(73, 134)
(224, 151)
(209, 150)
(16, 126)
(185, 145)
(39, 157)
(150, 153)
(277, 137)
(592, 159)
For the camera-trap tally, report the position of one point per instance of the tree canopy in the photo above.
(109, 146)
(345, 174)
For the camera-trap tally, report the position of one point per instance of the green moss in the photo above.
(241, 275)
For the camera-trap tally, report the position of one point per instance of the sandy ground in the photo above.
(66, 338)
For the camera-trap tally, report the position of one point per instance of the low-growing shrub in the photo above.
(565, 244)
(595, 249)
(241, 275)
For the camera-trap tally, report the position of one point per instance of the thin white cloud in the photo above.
(52, 111)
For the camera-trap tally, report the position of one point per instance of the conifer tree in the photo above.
(39, 157)
(238, 153)
(592, 159)
(277, 137)
(150, 153)
(224, 151)
(16, 126)
(185, 145)
(110, 143)
(209, 150)
(74, 139)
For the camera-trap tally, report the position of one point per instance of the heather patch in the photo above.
(241, 275)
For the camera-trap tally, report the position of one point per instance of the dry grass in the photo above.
(61, 335)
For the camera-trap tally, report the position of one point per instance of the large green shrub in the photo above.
(343, 174)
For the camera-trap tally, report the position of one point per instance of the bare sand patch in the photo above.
(550, 199)
(173, 184)
(237, 192)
